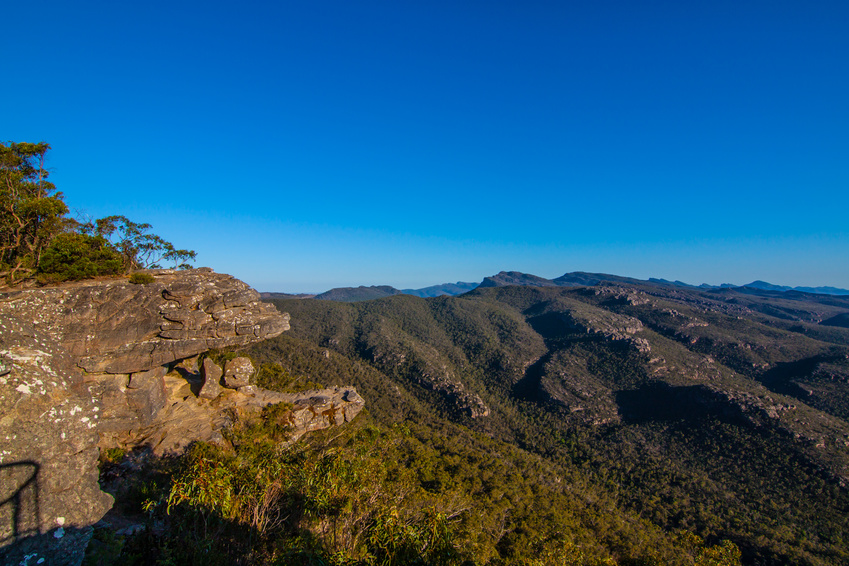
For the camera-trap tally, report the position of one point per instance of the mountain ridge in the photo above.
(570, 279)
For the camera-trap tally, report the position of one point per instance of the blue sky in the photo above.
(307, 145)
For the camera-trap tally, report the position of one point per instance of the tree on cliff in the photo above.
(36, 238)
(31, 209)
(138, 248)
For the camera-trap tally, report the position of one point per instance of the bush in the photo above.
(71, 257)
(141, 278)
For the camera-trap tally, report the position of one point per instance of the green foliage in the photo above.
(335, 503)
(725, 553)
(71, 257)
(371, 496)
(104, 549)
(112, 455)
(31, 209)
(276, 421)
(394, 542)
(138, 248)
(37, 239)
(141, 278)
(272, 375)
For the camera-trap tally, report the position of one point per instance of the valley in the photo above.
(720, 412)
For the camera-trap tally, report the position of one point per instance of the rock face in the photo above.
(48, 450)
(105, 363)
(117, 327)
(187, 418)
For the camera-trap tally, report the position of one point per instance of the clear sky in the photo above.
(314, 144)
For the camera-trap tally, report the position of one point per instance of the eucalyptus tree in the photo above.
(31, 209)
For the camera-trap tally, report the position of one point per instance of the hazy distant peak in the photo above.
(764, 286)
(361, 293)
(505, 278)
(452, 289)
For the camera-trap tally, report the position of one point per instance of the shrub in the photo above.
(71, 257)
(141, 278)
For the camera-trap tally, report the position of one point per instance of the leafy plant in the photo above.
(141, 278)
(139, 249)
(73, 256)
(31, 209)
(37, 239)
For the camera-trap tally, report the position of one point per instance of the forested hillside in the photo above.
(719, 413)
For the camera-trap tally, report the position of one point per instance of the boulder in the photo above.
(238, 372)
(211, 373)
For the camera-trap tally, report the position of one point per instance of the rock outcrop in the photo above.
(106, 363)
(48, 450)
(117, 327)
(607, 325)
(187, 418)
(237, 373)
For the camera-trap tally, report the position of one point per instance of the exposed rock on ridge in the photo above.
(117, 327)
(187, 418)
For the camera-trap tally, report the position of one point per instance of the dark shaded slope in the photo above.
(841, 320)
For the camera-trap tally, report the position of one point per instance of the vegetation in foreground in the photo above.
(375, 495)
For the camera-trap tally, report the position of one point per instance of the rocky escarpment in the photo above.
(116, 327)
(104, 363)
(423, 365)
(48, 449)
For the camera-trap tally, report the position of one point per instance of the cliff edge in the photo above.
(93, 364)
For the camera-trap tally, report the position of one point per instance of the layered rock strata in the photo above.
(187, 418)
(116, 327)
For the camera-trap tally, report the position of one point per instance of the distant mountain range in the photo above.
(819, 290)
(505, 278)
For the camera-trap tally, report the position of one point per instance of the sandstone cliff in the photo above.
(93, 364)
